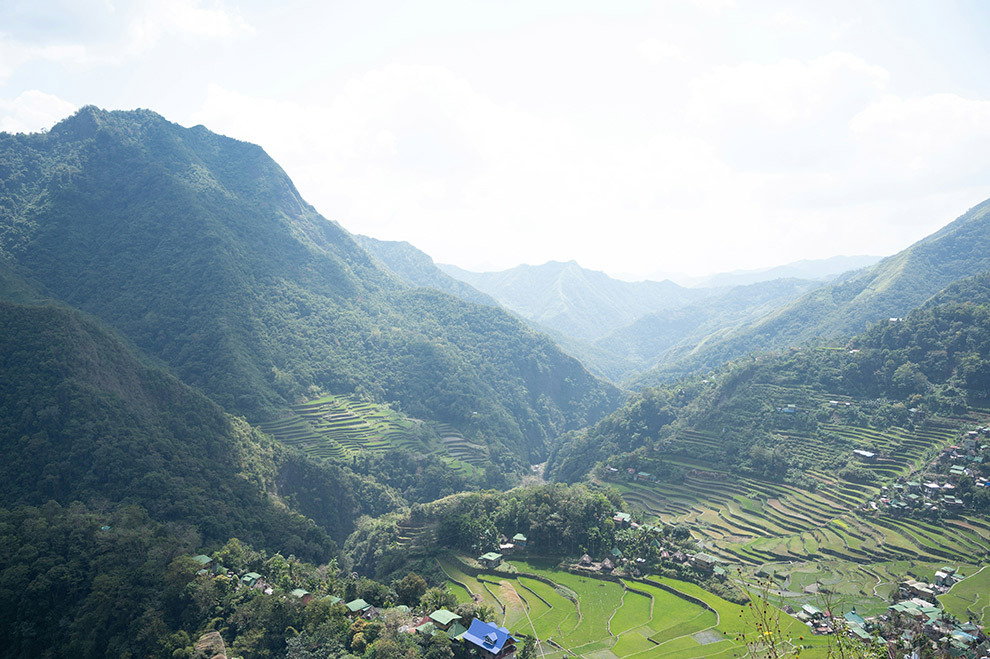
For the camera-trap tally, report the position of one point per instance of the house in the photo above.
(813, 612)
(946, 577)
(443, 618)
(519, 540)
(303, 596)
(491, 641)
(622, 519)
(204, 561)
(426, 629)
(253, 580)
(357, 607)
(607, 565)
(643, 476)
(703, 562)
(585, 561)
(490, 560)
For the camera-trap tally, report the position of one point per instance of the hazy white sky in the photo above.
(635, 137)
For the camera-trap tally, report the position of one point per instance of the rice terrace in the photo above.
(596, 618)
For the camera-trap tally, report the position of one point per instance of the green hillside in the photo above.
(199, 249)
(759, 458)
(888, 289)
(83, 420)
(417, 269)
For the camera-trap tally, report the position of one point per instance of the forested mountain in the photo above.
(644, 342)
(417, 268)
(583, 304)
(199, 249)
(934, 360)
(890, 288)
(81, 419)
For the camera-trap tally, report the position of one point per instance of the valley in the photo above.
(304, 443)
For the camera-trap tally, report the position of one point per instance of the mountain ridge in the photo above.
(199, 249)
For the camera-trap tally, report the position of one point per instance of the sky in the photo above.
(638, 138)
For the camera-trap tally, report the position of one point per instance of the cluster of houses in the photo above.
(939, 491)
(247, 580)
(915, 616)
(704, 563)
(488, 639)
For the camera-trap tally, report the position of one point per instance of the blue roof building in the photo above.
(493, 642)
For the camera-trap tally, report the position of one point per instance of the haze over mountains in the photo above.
(165, 294)
(199, 249)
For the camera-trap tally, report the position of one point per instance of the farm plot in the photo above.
(336, 427)
(970, 598)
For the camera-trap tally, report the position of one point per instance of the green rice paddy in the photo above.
(336, 427)
(582, 616)
(829, 534)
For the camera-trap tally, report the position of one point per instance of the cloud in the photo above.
(184, 19)
(14, 54)
(656, 51)
(32, 111)
(109, 34)
(786, 116)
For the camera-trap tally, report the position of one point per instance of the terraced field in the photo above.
(577, 615)
(830, 530)
(970, 598)
(336, 427)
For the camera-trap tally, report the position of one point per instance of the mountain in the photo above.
(890, 288)
(821, 269)
(417, 268)
(644, 342)
(84, 420)
(814, 458)
(583, 304)
(200, 251)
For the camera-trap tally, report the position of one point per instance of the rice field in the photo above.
(578, 615)
(825, 532)
(336, 427)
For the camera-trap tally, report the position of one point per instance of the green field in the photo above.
(582, 616)
(970, 598)
(827, 533)
(336, 427)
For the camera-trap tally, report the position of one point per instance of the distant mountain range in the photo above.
(805, 269)
(620, 329)
(890, 288)
(583, 304)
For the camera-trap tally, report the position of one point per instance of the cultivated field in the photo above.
(578, 615)
(335, 427)
(970, 598)
(824, 538)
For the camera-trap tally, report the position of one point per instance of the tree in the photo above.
(438, 598)
(411, 589)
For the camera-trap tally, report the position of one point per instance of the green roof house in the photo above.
(252, 580)
(490, 560)
(357, 607)
(203, 560)
(519, 540)
(303, 596)
(443, 618)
